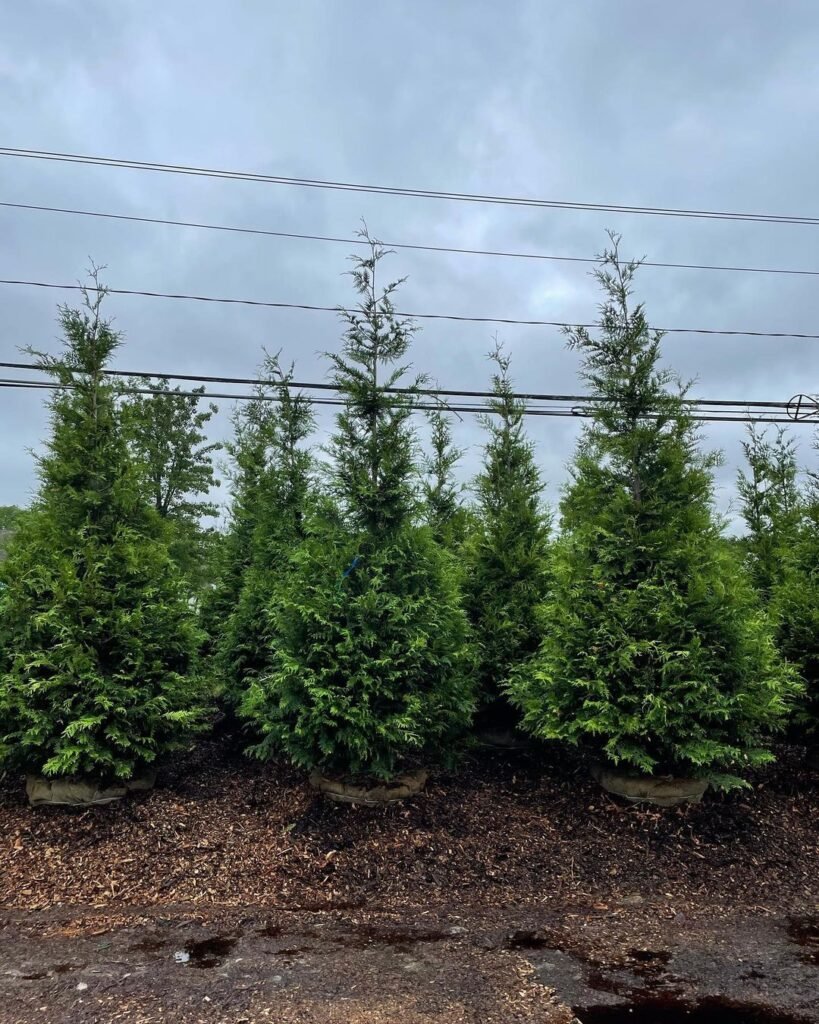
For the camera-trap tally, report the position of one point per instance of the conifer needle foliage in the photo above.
(795, 604)
(97, 676)
(656, 654)
(281, 499)
(770, 505)
(165, 431)
(507, 551)
(232, 555)
(444, 512)
(367, 664)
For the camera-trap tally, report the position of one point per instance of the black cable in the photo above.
(576, 412)
(427, 392)
(415, 316)
(393, 245)
(468, 197)
(37, 385)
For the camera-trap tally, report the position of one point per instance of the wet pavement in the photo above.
(510, 964)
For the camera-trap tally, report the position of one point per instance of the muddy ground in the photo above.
(512, 890)
(509, 965)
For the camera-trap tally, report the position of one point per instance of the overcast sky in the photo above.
(697, 105)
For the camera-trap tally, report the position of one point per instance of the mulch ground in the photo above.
(504, 828)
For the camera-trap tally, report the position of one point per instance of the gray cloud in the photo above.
(699, 105)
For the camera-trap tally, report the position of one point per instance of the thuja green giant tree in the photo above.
(770, 505)
(507, 552)
(165, 430)
(232, 555)
(99, 641)
(795, 606)
(367, 666)
(282, 504)
(656, 654)
(443, 509)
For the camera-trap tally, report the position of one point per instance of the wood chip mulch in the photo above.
(504, 828)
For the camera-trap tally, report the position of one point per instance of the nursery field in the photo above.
(510, 890)
(409, 514)
(473, 673)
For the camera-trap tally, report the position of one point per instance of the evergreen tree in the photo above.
(507, 552)
(795, 605)
(656, 653)
(232, 555)
(367, 667)
(10, 517)
(769, 496)
(165, 431)
(282, 496)
(99, 640)
(443, 510)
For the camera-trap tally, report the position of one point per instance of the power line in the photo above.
(39, 385)
(345, 186)
(428, 392)
(394, 245)
(576, 412)
(415, 316)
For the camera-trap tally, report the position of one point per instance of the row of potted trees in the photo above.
(360, 624)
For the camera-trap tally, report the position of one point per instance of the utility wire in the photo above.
(414, 316)
(40, 385)
(482, 409)
(394, 245)
(345, 186)
(428, 392)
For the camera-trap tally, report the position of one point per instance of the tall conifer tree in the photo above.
(795, 607)
(507, 552)
(282, 505)
(368, 662)
(656, 654)
(770, 505)
(443, 510)
(99, 642)
(165, 431)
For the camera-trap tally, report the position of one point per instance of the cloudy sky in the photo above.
(697, 105)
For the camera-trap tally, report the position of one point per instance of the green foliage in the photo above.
(507, 552)
(165, 432)
(770, 504)
(795, 604)
(374, 449)
(367, 667)
(232, 553)
(442, 506)
(98, 639)
(656, 653)
(10, 517)
(282, 500)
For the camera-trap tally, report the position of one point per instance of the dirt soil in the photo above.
(512, 890)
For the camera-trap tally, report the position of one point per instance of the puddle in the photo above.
(805, 932)
(650, 956)
(523, 938)
(671, 1011)
(206, 952)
